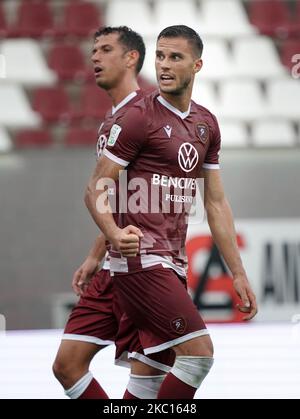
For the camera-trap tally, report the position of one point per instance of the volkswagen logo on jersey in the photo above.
(202, 132)
(187, 157)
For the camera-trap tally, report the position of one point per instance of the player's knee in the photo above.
(65, 373)
(59, 370)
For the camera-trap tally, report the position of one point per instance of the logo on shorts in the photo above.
(202, 132)
(178, 325)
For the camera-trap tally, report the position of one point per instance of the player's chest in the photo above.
(180, 144)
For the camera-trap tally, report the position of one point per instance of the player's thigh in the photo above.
(75, 353)
(140, 368)
(198, 346)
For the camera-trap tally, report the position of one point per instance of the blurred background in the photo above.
(50, 111)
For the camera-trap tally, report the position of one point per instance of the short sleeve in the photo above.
(211, 160)
(127, 137)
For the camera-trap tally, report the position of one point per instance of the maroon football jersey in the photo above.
(164, 151)
(106, 127)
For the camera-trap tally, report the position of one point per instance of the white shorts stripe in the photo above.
(176, 341)
(86, 338)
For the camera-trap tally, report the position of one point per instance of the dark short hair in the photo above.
(129, 38)
(182, 31)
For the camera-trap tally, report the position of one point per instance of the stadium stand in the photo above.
(16, 111)
(34, 19)
(52, 103)
(133, 13)
(69, 63)
(33, 138)
(5, 141)
(249, 76)
(17, 52)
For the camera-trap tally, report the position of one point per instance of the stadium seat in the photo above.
(52, 103)
(34, 19)
(284, 98)
(81, 19)
(5, 141)
(217, 62)
(226, 18)
(135, 14)
(204, 94)
(233, 134)
(33, 138)
(256, 57)
(77, 136)
(289, 49)
(68, 62)
(174, 12)
(3, 25)
(15, 108)
(25, 63)
(241, 99)
(94, 102)
(273, 133)
(271, 17)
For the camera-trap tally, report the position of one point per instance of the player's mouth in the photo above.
(97, 71)
(166, 78)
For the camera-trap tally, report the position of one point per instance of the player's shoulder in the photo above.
(146, 101)
(143, 108)
(201, 110)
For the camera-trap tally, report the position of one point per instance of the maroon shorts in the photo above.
(159, 305)
(98, 318)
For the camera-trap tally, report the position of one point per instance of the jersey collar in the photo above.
(123, 102)
(172, 108)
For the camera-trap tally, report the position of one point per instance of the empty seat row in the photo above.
(275, 17)
(226, 18)
(245, 100)
(248, 57)
(242, 100)
(265, 133)
(36, 19)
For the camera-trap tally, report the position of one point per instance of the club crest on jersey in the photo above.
(202, 132)
(178, 325)
(114, 134)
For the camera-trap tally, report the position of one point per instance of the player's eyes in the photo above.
(159, 56)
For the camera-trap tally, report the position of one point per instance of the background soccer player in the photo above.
(117, 57)
(166, 141)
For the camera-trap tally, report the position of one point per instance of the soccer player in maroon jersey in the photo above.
(166, 142)
(97, 320)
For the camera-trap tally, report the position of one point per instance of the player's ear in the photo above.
(198, 65)
(132, 58)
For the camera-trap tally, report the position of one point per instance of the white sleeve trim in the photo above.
(210, 166)
(114, 158)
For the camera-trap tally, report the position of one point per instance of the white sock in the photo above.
(192, 369)
(78, 388)
(145, 386)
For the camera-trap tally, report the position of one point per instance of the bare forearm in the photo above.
(98, 249)
(100, 210)
(221, 224)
